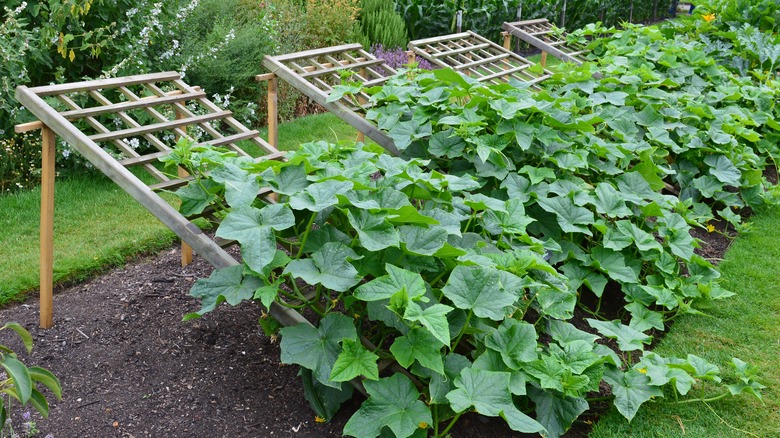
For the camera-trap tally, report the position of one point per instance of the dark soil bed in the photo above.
(131, 368)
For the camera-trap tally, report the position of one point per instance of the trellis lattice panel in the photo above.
(120, 123)
(541, 34)
(477, 57)
(316, 72)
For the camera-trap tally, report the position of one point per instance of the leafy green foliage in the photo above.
(21, 382)
(509, 210)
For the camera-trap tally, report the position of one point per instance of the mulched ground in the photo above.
(131, 368)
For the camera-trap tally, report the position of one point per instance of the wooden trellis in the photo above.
(477, 57)
(541, 34)
(107, 121)
(316, 72)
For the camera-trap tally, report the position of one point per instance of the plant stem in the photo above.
(705, 400)
(462, 332)
(305, 235)
(452, 423)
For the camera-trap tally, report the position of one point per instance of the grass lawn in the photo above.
(97, 225)
(746, 326)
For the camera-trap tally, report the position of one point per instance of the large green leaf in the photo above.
(328, 266)
(396, 280)
(515, 341)
(570, 217)
(241, 186)
(524, 133)
(422, 240)
(317, 348)
(479, 289)
(556, 303)
(628, 338)
(20, 377)
(392, 402)
(353, 361)
(45, 377)
(446, 143)
(226, 284)
(419, 344)
(513, 220)
(196, 196)
(433, 318)
(610, 202)
(22, 332)
(375, 232)
(565, 333)
(723, 169)
(643, 240)
(254, 229)
(613, 264)
(319, 196)
(643, 318)
(491, 360)
(488, 393)
(556, 412)
(290, 180)
(630, 389)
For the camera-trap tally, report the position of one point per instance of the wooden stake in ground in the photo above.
(48, 146)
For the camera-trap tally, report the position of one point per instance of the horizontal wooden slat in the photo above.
(265, 77)
(29, 126)
(143, 159)
(356, 65)
(316, 52)
(49, 90)
(503, 73)
(486, 61)
(433, 40)
(129, 105)
(461, 50)
(132, 132)
(530, 22)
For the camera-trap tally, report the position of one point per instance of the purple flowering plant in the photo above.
(397, 57)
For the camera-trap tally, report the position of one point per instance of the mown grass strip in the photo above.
(97, 225)
(746, 326)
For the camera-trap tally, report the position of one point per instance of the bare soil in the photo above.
(131, 368)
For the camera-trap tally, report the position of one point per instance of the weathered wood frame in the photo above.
(477, 57)
(53, 122)
(540, 33)
(315, 72)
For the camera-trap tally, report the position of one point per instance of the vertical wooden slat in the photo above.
(507, 40)
(47, 227)
(544, 59)
(186, 250)
(273, 112)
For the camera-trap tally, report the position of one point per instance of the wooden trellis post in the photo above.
(48, 172)
(48, 145)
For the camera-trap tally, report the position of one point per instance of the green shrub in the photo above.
(330, 22)
(381, 24)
